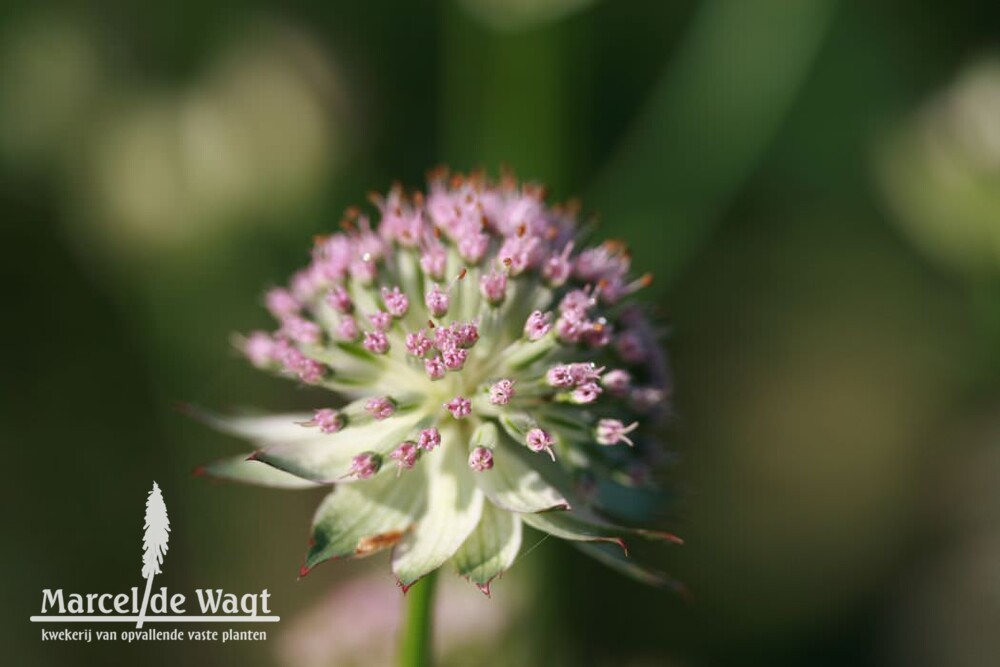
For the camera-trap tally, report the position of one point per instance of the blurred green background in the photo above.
(816, 186)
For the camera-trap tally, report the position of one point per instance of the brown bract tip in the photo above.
(662, 535)
(619, 541)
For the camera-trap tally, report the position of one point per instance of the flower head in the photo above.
(479, 345)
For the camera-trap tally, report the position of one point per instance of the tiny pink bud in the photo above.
(585, 372)
(472, 247)
(259, 349)
(454, 359)
(557, 268)
(435, 368)
(311, 372)
(364, 270)
(519, 253)
(433, 261)
(288, 355)
(586, 393)
(598, 333)
(347, 328)
(429, 439)
(437, 301)
(405, 455)
(380, 407)
(480, 459)
(630, 347)
(340, 300)
(381, 320)
(459, 407)
(301, 330)
(466, 334)
(578, 302)
(395, 302)
(328, 421)
(644, 399)
(501, 392)
(617, 382)
(538, 440)
(365, 465)
(418, 344)
(570, 328)
(281, 303)
(560, 377)
(612, 431)
(538, 325)
(493, 287)
(305, 283)
(376, 342)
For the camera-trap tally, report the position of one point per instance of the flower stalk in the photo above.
(417, 645)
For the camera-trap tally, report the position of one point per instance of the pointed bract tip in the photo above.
(254, 456)
(404, 587)
(621, 543)
(662, 535)
(485, 588)
(304, 570)
(199, 471)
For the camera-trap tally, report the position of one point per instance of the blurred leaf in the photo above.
(514, 98)
(707, 123)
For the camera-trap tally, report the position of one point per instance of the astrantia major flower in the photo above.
(487, 369)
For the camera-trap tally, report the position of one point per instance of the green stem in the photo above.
(416, 649)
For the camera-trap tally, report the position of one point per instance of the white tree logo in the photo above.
(154, 543)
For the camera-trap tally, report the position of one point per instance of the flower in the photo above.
(506, 368)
